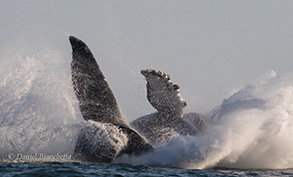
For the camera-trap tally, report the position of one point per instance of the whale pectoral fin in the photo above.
(96, 99)
(163, 94)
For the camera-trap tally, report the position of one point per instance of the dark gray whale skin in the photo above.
(98, 103)
(169, 121)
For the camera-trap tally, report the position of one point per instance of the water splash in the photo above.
(250, 129)
(38, 108)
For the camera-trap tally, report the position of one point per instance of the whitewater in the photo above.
(39, 116)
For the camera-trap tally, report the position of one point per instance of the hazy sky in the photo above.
(210, 48)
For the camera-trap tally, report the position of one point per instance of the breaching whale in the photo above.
(169, 121)
(106, 134)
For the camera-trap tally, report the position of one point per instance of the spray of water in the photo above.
(38, 108)
(251, 129)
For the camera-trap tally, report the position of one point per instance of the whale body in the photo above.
(106, 134)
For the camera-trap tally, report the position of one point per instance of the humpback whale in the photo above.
(169, 121)
(106, 134)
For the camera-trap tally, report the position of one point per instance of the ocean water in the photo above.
(40, 121)
(76, 169)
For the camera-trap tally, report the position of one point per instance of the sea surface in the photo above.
(79, 169)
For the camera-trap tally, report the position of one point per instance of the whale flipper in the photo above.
(162, 94)
(98, 103)
(169, 122)
(96, 100)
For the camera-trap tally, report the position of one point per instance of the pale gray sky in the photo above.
(209, 48)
